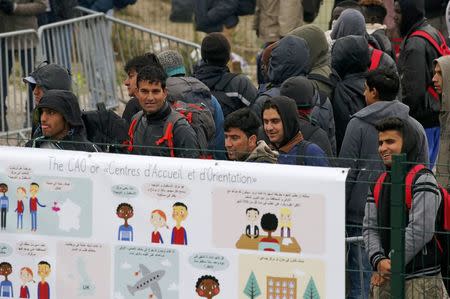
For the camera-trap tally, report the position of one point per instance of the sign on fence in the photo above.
(81, 225)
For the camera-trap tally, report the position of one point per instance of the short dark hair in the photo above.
(137, 63)
(124, 204)
(35, 184)
(374, 11)
(269, 104)
(385, 81)
(251, 209)
(179, 204)
(269, 222)
(44, 263)
(152, 74)
(391, 123)
(5, 264)
(243, 119)
(4, 185)
(205, 277)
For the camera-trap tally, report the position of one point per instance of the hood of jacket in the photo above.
(413, 12)
(210, 74)
(263, 153)
(444, 63)
(411, 143)
(289, 58)
(372, 114)
(317, 43)
(51, 76)
(350, 55)
(350, 22)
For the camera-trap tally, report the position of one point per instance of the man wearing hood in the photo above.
(422, 261)
(441, 81)
(289, 57)
(359, 152)
(61, 123)
(241, 138)
(281, 126)
(415, 65)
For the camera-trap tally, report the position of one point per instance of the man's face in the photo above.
(238, 145)
(370, 95)
(3, 189)
(125, 212)
(5, 269)
(38, 93)
(437, 78)
(131, 83)
(151, 96)
(389, 143)
(53, 124)
(398, 14)
(34, 190)
(208, 288)
(273, 126)
(179, 214)
(43, 271)
(252, 216)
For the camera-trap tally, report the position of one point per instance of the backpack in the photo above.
(442, 219)
(246, 7)
(119, 4)
(311, 9)
(228, 101)
(105, 129)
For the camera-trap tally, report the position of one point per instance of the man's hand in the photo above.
(384, 268)
(377, 279)
(7, 6)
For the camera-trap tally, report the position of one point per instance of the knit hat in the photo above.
(301, 90)
(172, 63)
(216, 49)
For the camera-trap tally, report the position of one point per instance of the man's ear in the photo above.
(376, 95)
(252, 140)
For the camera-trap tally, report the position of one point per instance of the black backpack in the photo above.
(229, 103)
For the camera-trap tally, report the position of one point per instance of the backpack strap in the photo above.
(224, 81)
(446, 207)
(131, 131)
(168, 132)
(321, 78)
(442, 48)
(301, 151)
(375, 59)
(410, 177)
(377, 188)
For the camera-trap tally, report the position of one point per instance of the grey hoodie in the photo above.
(360, 150)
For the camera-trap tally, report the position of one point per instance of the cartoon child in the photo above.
(4, 205)
(43, 287)
(285, 222)
(252, 230)
(269, 224)
(179, 214)
(21, 194)
(207, 286)
(6, 287)
(34, 203)
(26, 275)
(158, 219)
(125, 212)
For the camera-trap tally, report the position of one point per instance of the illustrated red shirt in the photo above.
(179, 236)
(20, 209)
(156, 238)
(33, 204)
(43, 290)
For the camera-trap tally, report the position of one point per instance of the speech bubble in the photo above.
(5, 250)
(171, 191)
(58, 185)
(209, 261)
(127, 191)
(31, 248)
(19, 172)
(146, 251)
(83, 247)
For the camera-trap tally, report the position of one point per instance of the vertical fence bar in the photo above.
(398, 173)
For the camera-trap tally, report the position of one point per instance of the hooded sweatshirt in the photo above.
(415, 64)
(289, 58)
(359, 152)
(262, 154)
(65, 103)
(443, 161)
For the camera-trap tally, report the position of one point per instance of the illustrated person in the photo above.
(43, 287)
(252, 230)
(269, 224)
(285, 222)
(6, 287)
(125, 212)
(21, 195)
(26, 275)
(4, 205)
(179, 214)
(207, 286)
(158, 219)
(34, 203)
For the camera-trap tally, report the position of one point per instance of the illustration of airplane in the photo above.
(149, 280)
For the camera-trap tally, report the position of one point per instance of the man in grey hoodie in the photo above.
(359, 152)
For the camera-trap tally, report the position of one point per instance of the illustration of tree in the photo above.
(311, 291)
(252, 288)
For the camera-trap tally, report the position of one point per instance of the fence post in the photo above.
(398, 172)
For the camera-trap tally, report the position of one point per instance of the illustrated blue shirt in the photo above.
(125, 233)
(6, 289)
(4, 202)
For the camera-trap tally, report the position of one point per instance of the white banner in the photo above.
(81, 225)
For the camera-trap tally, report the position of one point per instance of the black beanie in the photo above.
(216, 49)
(301, 90)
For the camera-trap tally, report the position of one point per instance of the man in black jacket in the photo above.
(415, 65)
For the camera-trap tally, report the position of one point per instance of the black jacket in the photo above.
(350, 59)
(131, 108)
(415, 64)
(435, 8)
(212, 15)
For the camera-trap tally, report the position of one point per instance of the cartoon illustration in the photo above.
(125, 212)
(4, 205)
(207, 286)
(43, 288)
(55, 207)
(179, 214)
(269, 224)
(21, 195)
(252, 289)
(281, 285)
(158, 219)
(311, 291)
(149, 280)
(34, 203)
(86, 286)
(6, 287)
(285, 222)
(252, 230)
(26, 276)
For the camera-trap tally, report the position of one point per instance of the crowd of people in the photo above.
(342, 98)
